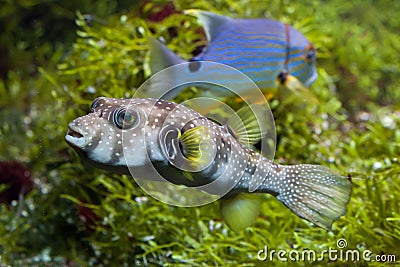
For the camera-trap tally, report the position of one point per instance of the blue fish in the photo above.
(269, 52)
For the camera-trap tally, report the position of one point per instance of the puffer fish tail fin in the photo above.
(314, 193)
(211, 21)
(161, 56)
(241, 210)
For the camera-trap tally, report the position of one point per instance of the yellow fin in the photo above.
(197, 146)
(251, 123)
(240, 211)
(294, 85)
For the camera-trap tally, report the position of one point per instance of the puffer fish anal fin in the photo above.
(250, 124)
(161, 56)
(211, 22)
(240, 211)
(320, 195)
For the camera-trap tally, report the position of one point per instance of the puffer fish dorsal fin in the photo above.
(211, 21)
(250, 124)
(160, 56)
(240, 211)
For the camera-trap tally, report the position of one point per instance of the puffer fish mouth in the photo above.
(75, 136)
(74, 133)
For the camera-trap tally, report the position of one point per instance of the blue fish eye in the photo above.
(125, 119)
(310, 52)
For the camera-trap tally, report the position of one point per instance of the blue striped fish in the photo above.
(269, 52)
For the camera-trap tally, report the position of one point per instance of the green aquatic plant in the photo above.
(78, 215)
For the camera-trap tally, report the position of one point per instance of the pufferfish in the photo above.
(269, 52)
(123, 135)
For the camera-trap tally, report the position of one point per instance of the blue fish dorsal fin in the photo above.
(161, 57)
(211, 21)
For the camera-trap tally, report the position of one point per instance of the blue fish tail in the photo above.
(161, 56)
(210, 21)
(164, 84)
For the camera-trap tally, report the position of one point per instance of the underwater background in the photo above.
(57, 56)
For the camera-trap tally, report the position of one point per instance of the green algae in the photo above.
(354, 130)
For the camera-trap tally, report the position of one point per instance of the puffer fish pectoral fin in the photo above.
(240, 211)
(190, 151)
(315, 193)
(161, 56)
(197, 146)
(211, 21)
(250, 124)
(290, 82)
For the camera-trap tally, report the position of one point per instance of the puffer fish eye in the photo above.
(95, 104)
(125, 118)
(310, 52)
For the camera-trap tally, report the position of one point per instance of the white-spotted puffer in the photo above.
(186, 148)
